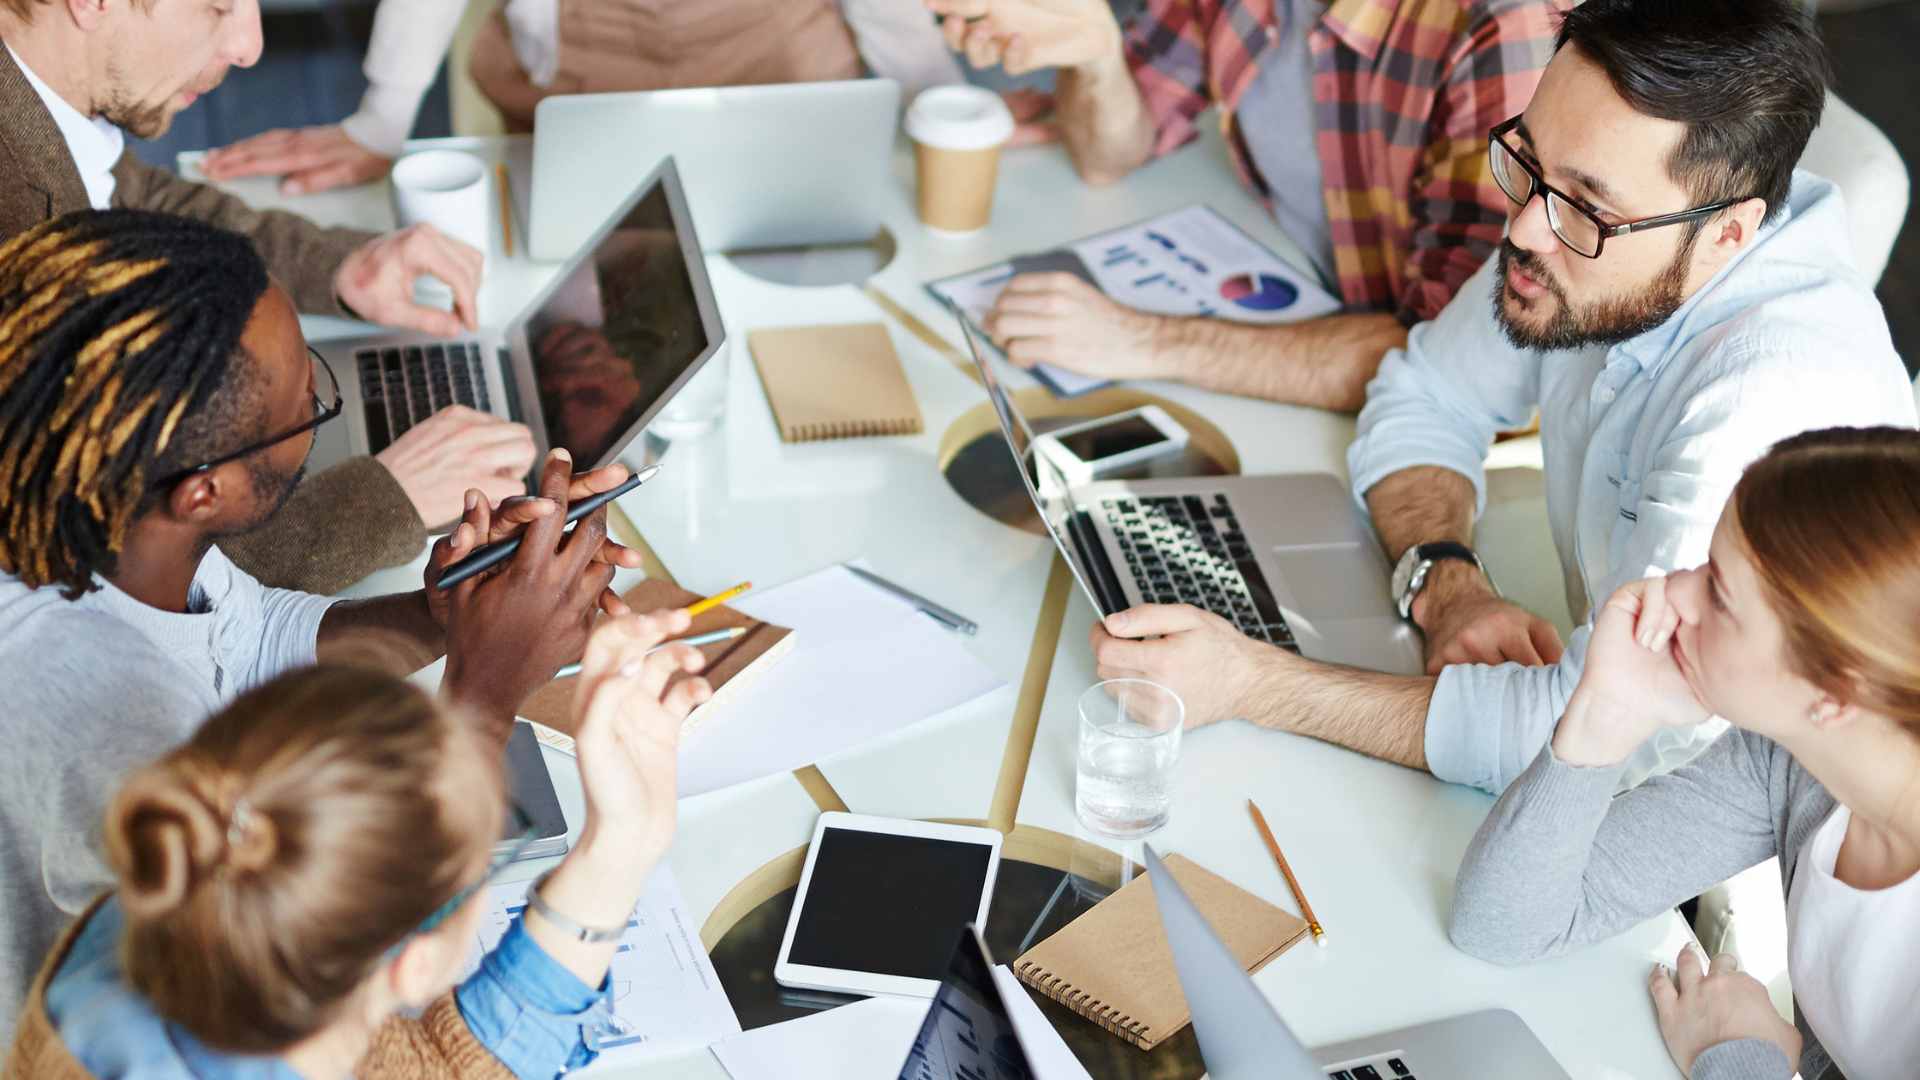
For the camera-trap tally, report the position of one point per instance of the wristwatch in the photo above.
(567, 926)
(1411, 574)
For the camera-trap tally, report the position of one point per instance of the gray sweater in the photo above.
(1561, 863)
(91, 689)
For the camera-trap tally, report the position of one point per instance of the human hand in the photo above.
(1032, 116)
(509, 629)
(306, 159)
(1465, 623)
(1204, 659)
(1027, 35)
(454, 451)
(1632, 684)
(1700, 1008)
(375, 282)
(628, 708)
(1057, 318)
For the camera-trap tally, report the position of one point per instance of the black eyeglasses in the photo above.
(322, 412)
(1575, 225)
(503, 855)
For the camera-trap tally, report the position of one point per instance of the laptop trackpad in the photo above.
(1333, 581)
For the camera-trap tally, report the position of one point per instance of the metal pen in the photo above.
(490, 555)
(953, 620)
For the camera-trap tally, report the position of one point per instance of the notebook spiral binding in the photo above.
(1083, 1004)
(854, 430)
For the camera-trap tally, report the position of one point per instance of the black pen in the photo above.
(490, 555)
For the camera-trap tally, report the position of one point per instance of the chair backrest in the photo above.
(1847, 149)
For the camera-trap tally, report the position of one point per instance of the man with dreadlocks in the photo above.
(73, 75)
(157, 398)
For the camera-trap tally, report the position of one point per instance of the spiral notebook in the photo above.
(834, 382)
(1113, 965)
(732, 666)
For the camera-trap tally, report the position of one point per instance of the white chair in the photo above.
(1847, 149)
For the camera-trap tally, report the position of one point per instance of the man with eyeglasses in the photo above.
(157, 399)
(1671, 296)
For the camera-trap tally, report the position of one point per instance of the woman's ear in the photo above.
(1830, 713)
(413, 977)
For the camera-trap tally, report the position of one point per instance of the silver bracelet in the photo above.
(589, 934)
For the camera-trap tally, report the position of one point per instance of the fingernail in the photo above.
(471, 502)
(560, 454)
(630, 669)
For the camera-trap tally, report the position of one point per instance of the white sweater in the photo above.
(898, 40)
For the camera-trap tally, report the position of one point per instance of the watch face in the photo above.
(1403, 572)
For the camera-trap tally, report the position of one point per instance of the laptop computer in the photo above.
(1286, 558)
(586, 365)
(972, 1032)
(1242, 1037)
(766, 166)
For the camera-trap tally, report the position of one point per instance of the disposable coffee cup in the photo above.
(957, 133)
(446, 189)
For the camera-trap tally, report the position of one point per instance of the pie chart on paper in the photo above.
(1259, 292)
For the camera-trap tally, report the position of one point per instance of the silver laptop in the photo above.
(621, 328)
(766, 166)
(1242, 1037)
(969, 1032)
(1286, 558)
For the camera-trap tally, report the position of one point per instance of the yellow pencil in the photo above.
(1306, 909)
(506, 209)
(717, 599)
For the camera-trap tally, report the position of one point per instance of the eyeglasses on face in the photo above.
(327, 404)
(1574, 225)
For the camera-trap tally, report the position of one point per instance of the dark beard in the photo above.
(1608, 323)
(270, 489)
(136, 119)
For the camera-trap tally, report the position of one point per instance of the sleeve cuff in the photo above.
(384, 119)
(538, 979)
(1742, 1059)
(531, 1013)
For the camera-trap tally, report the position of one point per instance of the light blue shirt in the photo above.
(1642, 441)
(532, 1014)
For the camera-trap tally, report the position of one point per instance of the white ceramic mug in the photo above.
(447, 189)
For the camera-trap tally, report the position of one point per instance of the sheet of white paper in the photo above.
(666, 996)
(1047, 1052)
(866, 1040)
(864, 663)
(1191, 261)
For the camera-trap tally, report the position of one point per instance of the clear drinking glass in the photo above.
(701, 404)
(1129, 743)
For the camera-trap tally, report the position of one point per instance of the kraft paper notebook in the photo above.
(834, 382)
(731, 665)
(1113, 965)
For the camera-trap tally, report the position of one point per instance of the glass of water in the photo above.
(1129, 742)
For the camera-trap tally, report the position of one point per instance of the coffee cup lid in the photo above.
(959, 118)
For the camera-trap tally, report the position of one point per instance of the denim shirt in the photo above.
(1643, 442)
(535, 1016)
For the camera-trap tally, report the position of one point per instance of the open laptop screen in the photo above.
(613, 339)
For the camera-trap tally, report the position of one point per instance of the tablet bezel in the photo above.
(849, 980)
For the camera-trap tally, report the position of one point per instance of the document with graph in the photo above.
(1192, 261)
(666, 997)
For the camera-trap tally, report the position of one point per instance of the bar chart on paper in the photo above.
(666, 996)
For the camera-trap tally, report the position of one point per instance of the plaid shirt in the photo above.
(1405, 91)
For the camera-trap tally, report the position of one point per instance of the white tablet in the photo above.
(881, 903)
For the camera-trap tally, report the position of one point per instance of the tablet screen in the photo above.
(888, 904)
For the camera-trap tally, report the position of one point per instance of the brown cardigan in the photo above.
(341, 524)
(437, 1045)
(613, 45)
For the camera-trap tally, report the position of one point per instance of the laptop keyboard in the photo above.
(1384, 1067)
(1188, 549)
(404, 385)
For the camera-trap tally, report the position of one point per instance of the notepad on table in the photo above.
(834, 382)
(732, 666)
(1114, 967)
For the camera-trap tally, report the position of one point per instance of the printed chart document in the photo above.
(1192, 261)
(666, 996)
(864, 663)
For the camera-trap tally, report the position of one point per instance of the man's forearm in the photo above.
(1379, 715)
(1421, 505)
(353, 627)
(1325, 362)
(1102, 120)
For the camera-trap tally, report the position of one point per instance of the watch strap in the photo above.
(590, 934)
(1436, 550)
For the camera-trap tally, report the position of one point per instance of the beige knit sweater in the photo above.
(438, 1045)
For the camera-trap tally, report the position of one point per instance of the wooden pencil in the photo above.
(506, 209)
(1299, 896)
